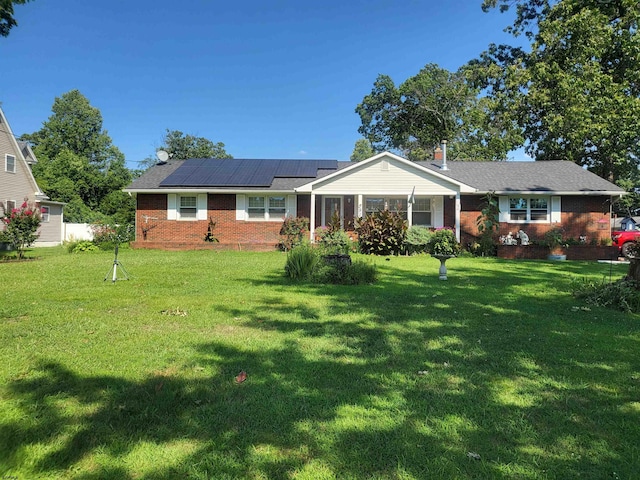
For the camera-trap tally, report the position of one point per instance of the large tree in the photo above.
(181, 146)
(432, 106)
(7, 22)
(576, 91)
(362, 150)
(77, 162)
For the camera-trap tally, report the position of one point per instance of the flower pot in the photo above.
(557, 257)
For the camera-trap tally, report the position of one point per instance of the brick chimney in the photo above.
(437, 154)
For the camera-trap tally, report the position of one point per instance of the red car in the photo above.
(623, 239)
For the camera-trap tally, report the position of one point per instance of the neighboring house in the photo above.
(17, 184)
(248, 199)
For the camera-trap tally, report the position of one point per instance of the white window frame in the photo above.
(184, 210)
(527, 210)
(174, 207)
(389, 202)
(414, 210)
(6, 163)
(9, 205)
(45, 213)
(269, 209)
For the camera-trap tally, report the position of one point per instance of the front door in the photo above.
(331, 207)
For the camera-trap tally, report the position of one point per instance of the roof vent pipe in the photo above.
(444, 155)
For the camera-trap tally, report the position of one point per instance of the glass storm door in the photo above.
(332, 206)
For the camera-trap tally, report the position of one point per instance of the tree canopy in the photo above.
(576, 92)
(7, 21)
(362, 150)
(432, 106)
(78, 164)
(181, 146)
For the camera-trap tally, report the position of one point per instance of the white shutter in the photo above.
(503, 205)
(201, 202)
(240, 206)
(172, 213)
(292, 210)
(555, 210)
(438, 212)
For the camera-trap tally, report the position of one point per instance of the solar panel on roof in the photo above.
(242, 172)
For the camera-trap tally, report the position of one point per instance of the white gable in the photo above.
(385, 174)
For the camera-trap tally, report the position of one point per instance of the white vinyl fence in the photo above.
(77, 231)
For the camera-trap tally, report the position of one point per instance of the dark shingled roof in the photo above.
(547, 176)
(286, 175)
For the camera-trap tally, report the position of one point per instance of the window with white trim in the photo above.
(9, 163)
(9, 205)
(187, 207)
(267, 208)
(421, 212)
(44, 214)
(393, 204)
(529, 209)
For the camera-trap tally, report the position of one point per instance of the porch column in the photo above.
(312, 217)
(458, 208)
(359, 211)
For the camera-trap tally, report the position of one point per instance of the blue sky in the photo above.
(269, 79)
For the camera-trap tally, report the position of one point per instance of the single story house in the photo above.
(247, 200)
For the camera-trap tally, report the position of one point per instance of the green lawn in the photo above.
(495, 373)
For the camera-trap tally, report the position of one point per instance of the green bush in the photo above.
(443, 242)
(416, 240)
(333, 242)
(355, 273)
(622, 295)
(381, 233)
(80, 246)
(301, 262)
(106, 236)
(293, 230)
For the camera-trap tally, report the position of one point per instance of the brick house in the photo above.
(248, 199)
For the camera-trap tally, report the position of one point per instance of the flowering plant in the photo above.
(21, 225)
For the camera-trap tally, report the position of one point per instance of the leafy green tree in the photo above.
(7, 22)
(362, 150)
(77, 161)
(20, 227)
(576, 93)
(432, 106)
(181, 146)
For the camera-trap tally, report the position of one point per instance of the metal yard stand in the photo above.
(113, 273)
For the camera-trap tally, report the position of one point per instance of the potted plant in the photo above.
(443, 245)
(555, 243)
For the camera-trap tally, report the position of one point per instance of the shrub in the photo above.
(21, 225)
(106, 236)
(443, 242)
(381, 233)
(621, 295)
(293, 230)
(81, 246)
(488, 223)
(301, 262)
(354, 273)
(333, 242)
(416, 240)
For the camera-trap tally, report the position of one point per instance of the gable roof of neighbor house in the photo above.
(559, 177)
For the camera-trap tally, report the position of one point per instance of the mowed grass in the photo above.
(495, 373)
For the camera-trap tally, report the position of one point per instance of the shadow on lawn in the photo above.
(534, 395)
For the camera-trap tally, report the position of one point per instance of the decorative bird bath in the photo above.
(443, 267)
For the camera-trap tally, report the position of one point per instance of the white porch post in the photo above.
(312, 217)
(458, 208)
(359, 211)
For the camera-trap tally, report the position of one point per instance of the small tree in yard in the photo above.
(21, 225)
